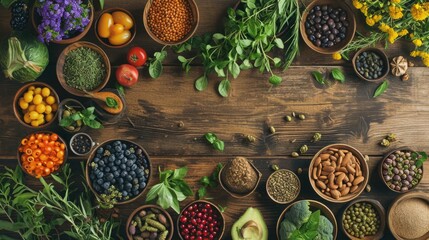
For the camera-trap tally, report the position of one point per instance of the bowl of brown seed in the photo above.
(283, 186)
(338, 173)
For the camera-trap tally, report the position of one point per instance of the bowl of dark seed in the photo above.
(150, 222)
(283, 186)
(364, 219)
(81, 144)
(371, 64)
(327, 26)
(402, 169)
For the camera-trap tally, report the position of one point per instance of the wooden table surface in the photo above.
(170, 117)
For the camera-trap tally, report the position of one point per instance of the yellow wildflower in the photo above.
(377, 18)
(370, 21)
(403, 32)
(417, 42)
(411, 35)
(414, 53)
(395, 1)
(384, 27)
(336, 56)
(418, 12)
(426, 62)
(392, 35)
(357, 4)
(395, 12)
(364, 10)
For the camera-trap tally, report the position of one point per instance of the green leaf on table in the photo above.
(277, 61)
(202, 191)
(153, 192)
(92, 123)
(219, 145)
(180, 173)
(224, 88)
(338, 75)
(201, 83)
(246, 64)
(210, 137)
(120, 89)
(275, 80)
(234, 69)
(218, 36)
(155, 69)
(111, 102)
(205, 181)
(381, 89)
(165, 198)
(183, 186)
(279, 43)
(318, 76)
(182, 59)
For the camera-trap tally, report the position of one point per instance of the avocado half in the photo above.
(250, 226)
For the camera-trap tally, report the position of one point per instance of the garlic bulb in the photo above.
(399, 66)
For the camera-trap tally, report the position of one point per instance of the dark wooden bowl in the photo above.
(214, 207)
(66, 153)
(195, 22)
(91, 157)
(34, 16)
(17, 110)
(381, 213)
(60, 67)
(383, 56)
(237, 195)
(380, 168)
(73, 103)
(364, 169)
(296, 195)
(166, 214)
(396, 202)
(314, 206)
(350, 30)
(105, 41)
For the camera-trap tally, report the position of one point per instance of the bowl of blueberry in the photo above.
(327, 26)
(119, 166)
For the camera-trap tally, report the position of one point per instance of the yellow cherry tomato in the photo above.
(123, 18)
(38, 90)
(46, 92)
(40, 108)
(35, 123)
(37, 99)
(23, 104)
(116, 29)
(28, 96)
(48, 109)
(27, 118)
(49, 117)
(104, 24)
(121, 38)
(34, 115)
(50, 100)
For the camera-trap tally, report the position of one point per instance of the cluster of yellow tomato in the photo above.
(115, 27)
(38, 105)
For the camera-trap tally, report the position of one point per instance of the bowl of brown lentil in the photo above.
(283, 186)
(171, 22)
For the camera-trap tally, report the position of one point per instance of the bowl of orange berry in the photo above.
(42, 153)
(35, 105)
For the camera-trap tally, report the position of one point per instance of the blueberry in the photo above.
(124, 160)
(118, 162)
(116, 174)
(134, 167)
(135, 181)
(121, 187)
(108, 147)
(96, 159)
(113, 181)
(118, 148)
(142, 179)
(132, 173)
(100, 181)
(127, 152)
(132, 156)
(128, 186)
(129, 178)
(106, 169)
(101, 163)
(136, 187)
(120, 180)
(139, 151)
(124, 173)
(100, 175)
(106, 185)
(124, 146)
(123, 166)
(97, 188)
(109, 176)
(128, 169)
(142, 185)
(124, 193)
(100, 150)
(114, 168)
(129, 163)
(112, 158)
(120, 155)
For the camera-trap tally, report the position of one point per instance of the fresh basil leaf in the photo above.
(245, 42)
(182, 186)
(201, 83)
(92, 123)
(88, 111)
(338, 75)
(164, 175)
(218, 36)
(313, 222)
(155, 69)
(381, 89)
(120, 89)
(76, 116)
(202, 192)
(246, 64)
(111, 102)
(175, 206)
(277, 61)
(310, 235)
(251, 4)
(279, 43)
(160, 56)
(179, 195)
(239, 49)
(319, 77)
(65, 122)
(165, 198)
(180, 173)
(224, 88)
(182, 59)
(275, 80)
(219, 145)
(210, 137)
(234, 69)
(205, 181)
(423, 156)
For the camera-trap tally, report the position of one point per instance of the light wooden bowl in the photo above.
(215, 208)
(396, 202)
(105, 41)
(60, 67)
(297, 193)
(91, 157)
(34, 22)
(380, 168)
(350, 30)
(195, 22)
(381, 213)
(237, 195)
(383, 56)
(364, 169)
(165, 213)
(314, 206)
(17, 110)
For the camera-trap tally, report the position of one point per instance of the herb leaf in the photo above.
(319, 77)
(120, 89)
(155, 69)
(202, 191)
(215, 141)
(111, 102)
(422, 158)
(201, 83)
(224, 87)
(381, 89)
(275, 80)
(338, 75)
(212, 181)
(279, 43)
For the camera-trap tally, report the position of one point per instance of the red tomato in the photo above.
(127, 75)
(137, 56)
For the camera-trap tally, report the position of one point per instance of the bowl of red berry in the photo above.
(201, 220)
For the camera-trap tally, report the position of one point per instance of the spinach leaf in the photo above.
(338, 75)
(381, 89)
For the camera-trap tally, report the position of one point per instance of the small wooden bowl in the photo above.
(105, 41)
(396, 202)
(165, 213)
(60, 67)
(350, 30)
(195, 22)
(66, 153)
(91, 157)
(34, 21)
(297, 193)
(221, 231)
(17, 110)
(381, 213)
(72, 103)
(364, 169)
(380, 168)
(383, 56)
(314, 206)
(237, 195)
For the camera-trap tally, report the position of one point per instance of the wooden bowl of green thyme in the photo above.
(283, 186)
(83, 68)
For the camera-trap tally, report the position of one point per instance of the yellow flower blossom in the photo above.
(395, 1)
(377, 18)
(414, 53)
(357, 4)
(336, 56)
(411, 35)
(417, 42)
(384, 27)
(426, 62)
(364, 10)
(395, 12)
(418, 12)
(370, 21)
(392, 35)
(403, 32)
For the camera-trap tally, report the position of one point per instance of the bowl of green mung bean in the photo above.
(83, 68)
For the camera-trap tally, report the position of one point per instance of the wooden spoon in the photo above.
(101, 97)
